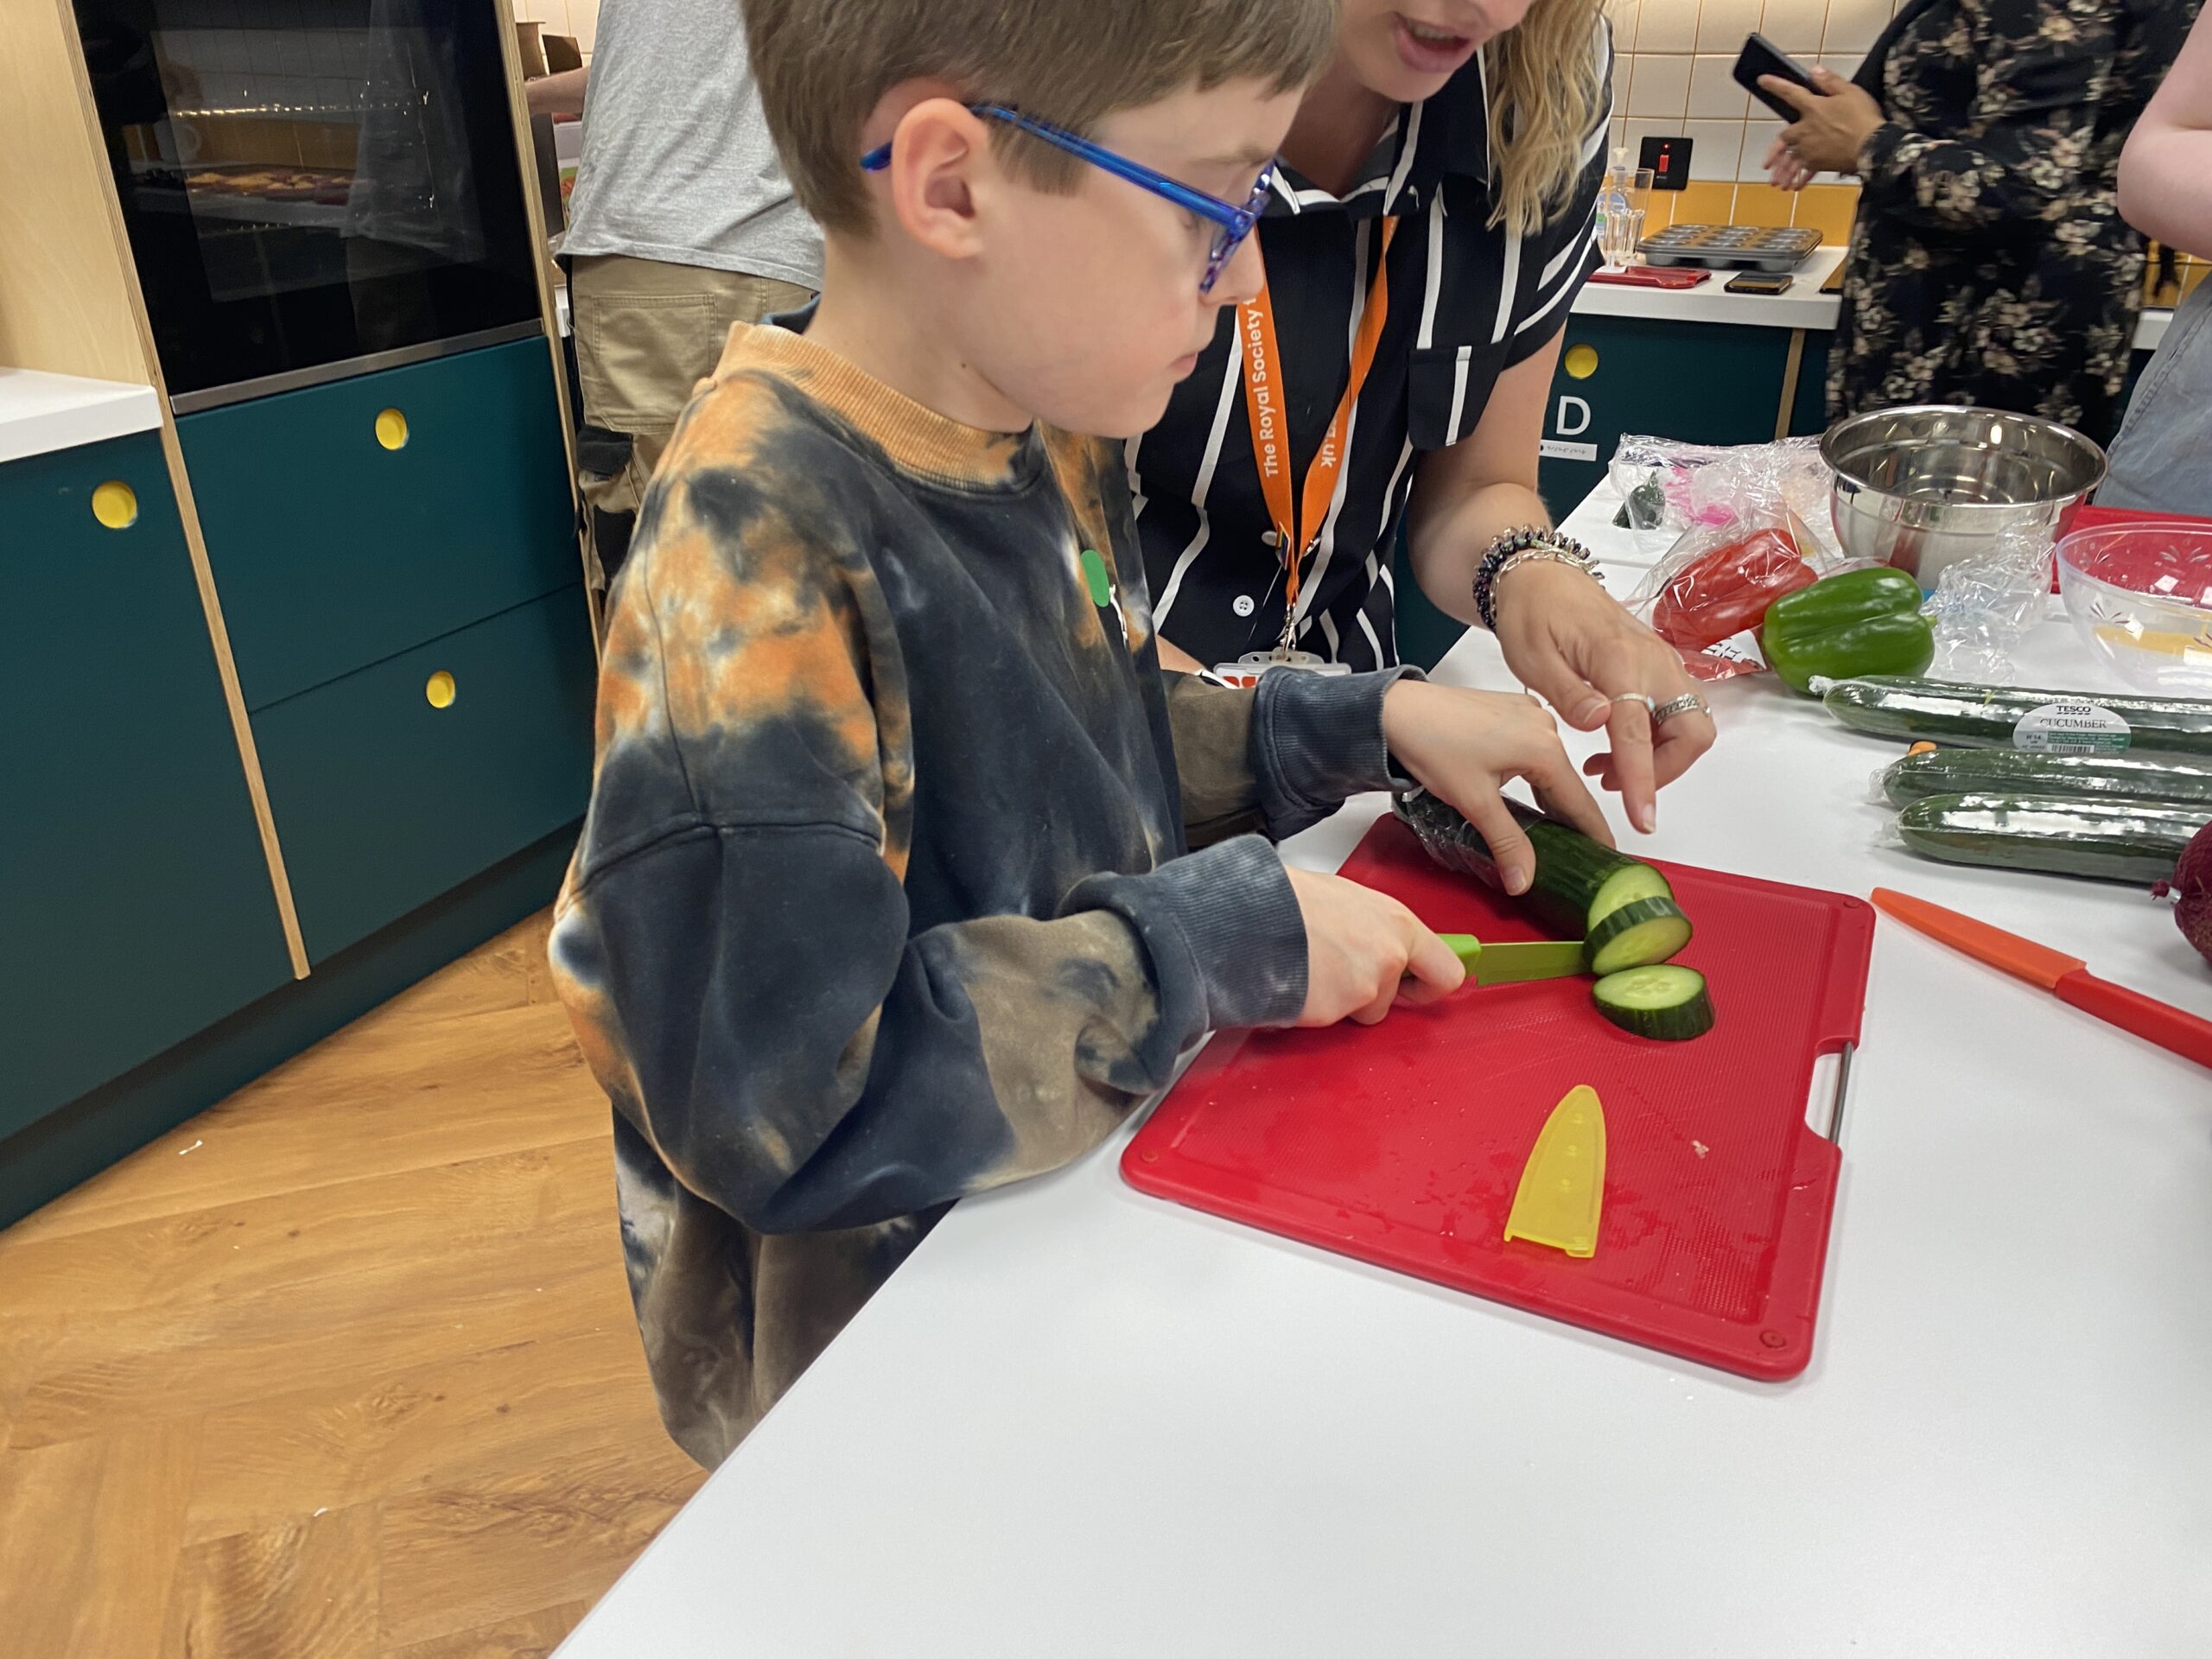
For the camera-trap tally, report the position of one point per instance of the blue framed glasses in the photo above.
(1231, 224)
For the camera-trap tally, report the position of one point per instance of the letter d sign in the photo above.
(1574, 418)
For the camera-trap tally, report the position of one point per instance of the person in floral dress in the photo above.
(1990, 263)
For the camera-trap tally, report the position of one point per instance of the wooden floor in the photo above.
(343, 1368)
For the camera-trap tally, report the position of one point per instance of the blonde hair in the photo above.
(823, 65)
(1545, 94)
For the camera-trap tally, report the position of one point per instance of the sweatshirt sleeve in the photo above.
(1287, 753)
(734, 939)
(2019, 151)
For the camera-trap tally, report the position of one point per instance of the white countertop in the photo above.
(41, 413)
(1083, 1422)
(1803, 306)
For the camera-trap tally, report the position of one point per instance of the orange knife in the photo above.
(2066, 977)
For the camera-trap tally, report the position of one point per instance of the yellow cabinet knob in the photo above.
(438, 690)
(391, 428)
(115, 503)
(1581, 361)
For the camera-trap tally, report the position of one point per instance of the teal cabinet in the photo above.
(401, 780)
(1701, 382)
(136, 906)
(349, 522)
(1808, 413)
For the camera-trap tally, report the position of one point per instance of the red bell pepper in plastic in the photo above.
(1719, 594)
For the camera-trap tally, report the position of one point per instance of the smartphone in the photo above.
(1763, 57)
(1760, 282)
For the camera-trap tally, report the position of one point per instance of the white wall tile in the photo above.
(1714, 94)
(1661, 86)
(1667, 26)
(1758, 138)
(1794, 25)
(1715, 147)
(1623, 14)
(1722, 24)
(1852, 24)
(1844, 64)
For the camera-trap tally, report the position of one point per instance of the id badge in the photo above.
(1247, 670)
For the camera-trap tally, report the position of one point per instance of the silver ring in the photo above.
(1688, 702)
(1638, 696)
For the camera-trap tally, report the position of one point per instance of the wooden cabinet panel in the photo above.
(135, 903)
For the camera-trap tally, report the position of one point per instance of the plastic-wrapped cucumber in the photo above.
(1577, 883)
(2135, 842)
(2009, 771)
(2005, 716)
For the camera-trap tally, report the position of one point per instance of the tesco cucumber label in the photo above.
(2071, 729)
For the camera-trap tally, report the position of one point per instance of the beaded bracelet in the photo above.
(1517, 547)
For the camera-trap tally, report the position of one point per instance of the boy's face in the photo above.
(1087, 304)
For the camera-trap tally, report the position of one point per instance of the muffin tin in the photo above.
(1731, 247)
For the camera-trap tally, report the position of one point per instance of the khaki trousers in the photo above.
(647, 334)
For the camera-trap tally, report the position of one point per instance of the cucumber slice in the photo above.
(1641, 931)
(1625, 886)
(1659, 1001)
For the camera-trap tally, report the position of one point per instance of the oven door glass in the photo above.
(309, 183)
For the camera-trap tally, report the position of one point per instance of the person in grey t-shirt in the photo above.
(2162, 460)
(681, 224)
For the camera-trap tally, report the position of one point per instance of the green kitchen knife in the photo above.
(1509, 964)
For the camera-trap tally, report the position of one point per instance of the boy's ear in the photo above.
(940, 155)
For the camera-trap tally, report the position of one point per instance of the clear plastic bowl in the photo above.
(2140, 596)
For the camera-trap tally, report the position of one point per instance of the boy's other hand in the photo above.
(1365, 951)
(1463, 747)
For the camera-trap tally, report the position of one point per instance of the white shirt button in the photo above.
(1243, 604)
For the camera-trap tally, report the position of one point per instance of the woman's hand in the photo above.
(1571, 643)
(1833, 126)
(1463, 747)
(1365, 951)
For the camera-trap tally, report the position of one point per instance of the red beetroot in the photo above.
(2192, 883)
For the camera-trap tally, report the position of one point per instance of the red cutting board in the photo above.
(1402, 1143)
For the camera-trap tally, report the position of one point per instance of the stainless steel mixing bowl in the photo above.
(1923, 487)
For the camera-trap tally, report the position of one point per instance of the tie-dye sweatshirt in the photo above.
(886, 895)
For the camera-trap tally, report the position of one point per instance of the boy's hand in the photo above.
(1463, 746)
(1364, 950)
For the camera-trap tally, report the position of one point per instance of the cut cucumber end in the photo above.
(1643, 930)
(1658, 1000)
(1623, 887)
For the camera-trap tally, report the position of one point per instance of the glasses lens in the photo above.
(1228, 239)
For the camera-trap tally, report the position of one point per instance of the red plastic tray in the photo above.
(1402, 1144)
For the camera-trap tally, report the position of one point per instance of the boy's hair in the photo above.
(823, 65)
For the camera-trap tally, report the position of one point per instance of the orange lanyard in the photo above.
(1264, 401)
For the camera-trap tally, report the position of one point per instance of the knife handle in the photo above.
(2170, 1028)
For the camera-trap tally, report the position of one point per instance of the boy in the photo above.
(884, 897)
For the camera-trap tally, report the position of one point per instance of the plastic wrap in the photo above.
(1747, 540)
(1984, 604)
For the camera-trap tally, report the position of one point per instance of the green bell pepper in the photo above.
(1854, 623)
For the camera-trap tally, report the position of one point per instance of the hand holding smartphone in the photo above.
(1763, 57)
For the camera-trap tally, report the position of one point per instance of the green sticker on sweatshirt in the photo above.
(1094, 573)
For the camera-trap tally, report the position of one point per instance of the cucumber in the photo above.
(1577, 883)
(1991, 716)
(2109, 841)
(1644, 931)
(2009, 771)
(1661, 1001)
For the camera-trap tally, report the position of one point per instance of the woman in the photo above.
(2162, 461)
(1431, 216)
(1990, 263)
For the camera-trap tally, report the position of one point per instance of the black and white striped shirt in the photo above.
(1467, 301)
